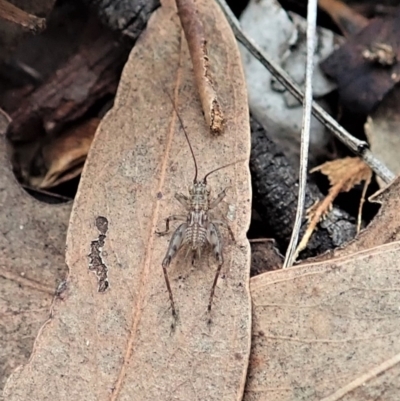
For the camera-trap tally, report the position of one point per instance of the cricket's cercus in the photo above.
(96, 263)
(199, 228)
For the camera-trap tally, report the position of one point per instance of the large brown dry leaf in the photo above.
(32, 243)
(118, 344)
(329, 330)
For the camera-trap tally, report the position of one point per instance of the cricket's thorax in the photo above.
(199, 196)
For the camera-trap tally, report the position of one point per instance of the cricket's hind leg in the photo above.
(175, 244)
(215, 240)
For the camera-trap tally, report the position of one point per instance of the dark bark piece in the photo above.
(275, 186)
(77, 85)
(128, 17)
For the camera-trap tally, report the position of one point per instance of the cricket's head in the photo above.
(199, 188)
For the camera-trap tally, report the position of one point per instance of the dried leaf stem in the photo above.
(197, 43)
(357, 146)
(305, 133)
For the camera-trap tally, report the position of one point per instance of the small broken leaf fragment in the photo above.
(343, 175)
(197, 43)
(381, 54)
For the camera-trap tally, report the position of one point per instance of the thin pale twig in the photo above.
(305, 132)
(357, 146)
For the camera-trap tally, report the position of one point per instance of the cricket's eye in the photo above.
(190, 190)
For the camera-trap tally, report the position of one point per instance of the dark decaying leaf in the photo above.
(367, 67)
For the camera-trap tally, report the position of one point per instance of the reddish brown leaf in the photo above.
(63, 158)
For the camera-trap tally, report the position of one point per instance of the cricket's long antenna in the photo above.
(220, 168)
(187, 137)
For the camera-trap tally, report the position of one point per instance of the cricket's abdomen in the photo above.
(196, 232)
(196, 236)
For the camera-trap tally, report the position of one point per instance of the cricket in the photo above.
(198, 229)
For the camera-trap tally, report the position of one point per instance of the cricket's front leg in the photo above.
(167, 221)
(175, 243)
(183, 200)
(215, 240)
(218, 199)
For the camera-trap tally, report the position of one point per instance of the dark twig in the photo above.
(10, 12)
